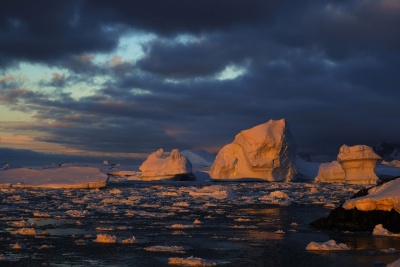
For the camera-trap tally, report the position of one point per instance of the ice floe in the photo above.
(328, 245)
(191, 261)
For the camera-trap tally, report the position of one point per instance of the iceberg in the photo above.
(265, 152)
(358, 163)
(60, 177)
(331, 172)
(157, 166)
(199, 157)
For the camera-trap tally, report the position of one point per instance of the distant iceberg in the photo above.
(59, 177)
(158, 166)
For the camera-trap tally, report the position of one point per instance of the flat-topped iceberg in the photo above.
(358, 163)
(158, 166)
(60, 177)
(265, 152)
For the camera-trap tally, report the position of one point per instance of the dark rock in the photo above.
(355, 220)
(361, 193)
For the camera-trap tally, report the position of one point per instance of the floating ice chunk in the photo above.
(328, 245)
(279, 194)
(115, 191)
(181, 204)
(104, 238)
(214, 191)
(191, 261)
(17, 246)
(197, 222)
(181, 226)
(171, 249)
(129, 240)
(78, 213)
(242, 220)
(21, 224)
(379, 230)
(41, 214)
(388, 250)
(24, 231)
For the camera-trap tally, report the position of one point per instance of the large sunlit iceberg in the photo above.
(265, 152)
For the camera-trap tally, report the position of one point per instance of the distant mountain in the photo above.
(388, 150)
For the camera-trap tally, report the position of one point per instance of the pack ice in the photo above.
(158, 166)
(265, 152)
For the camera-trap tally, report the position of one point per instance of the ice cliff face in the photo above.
(157, 166)
(358, 163)
(264, 152)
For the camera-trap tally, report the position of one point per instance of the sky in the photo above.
(125, 78)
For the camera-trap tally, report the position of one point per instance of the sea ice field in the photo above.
(193, 223)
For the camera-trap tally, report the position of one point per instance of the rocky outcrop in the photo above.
(366, 209)
(157, 166)
(265, 152)
(358, 163)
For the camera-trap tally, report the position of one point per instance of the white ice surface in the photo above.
(59, 177)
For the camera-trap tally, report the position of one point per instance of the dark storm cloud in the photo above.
(329, 68)
(47, 30)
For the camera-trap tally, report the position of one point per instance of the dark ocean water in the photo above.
(241, 224)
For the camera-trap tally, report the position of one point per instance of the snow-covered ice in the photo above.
(384, 197)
